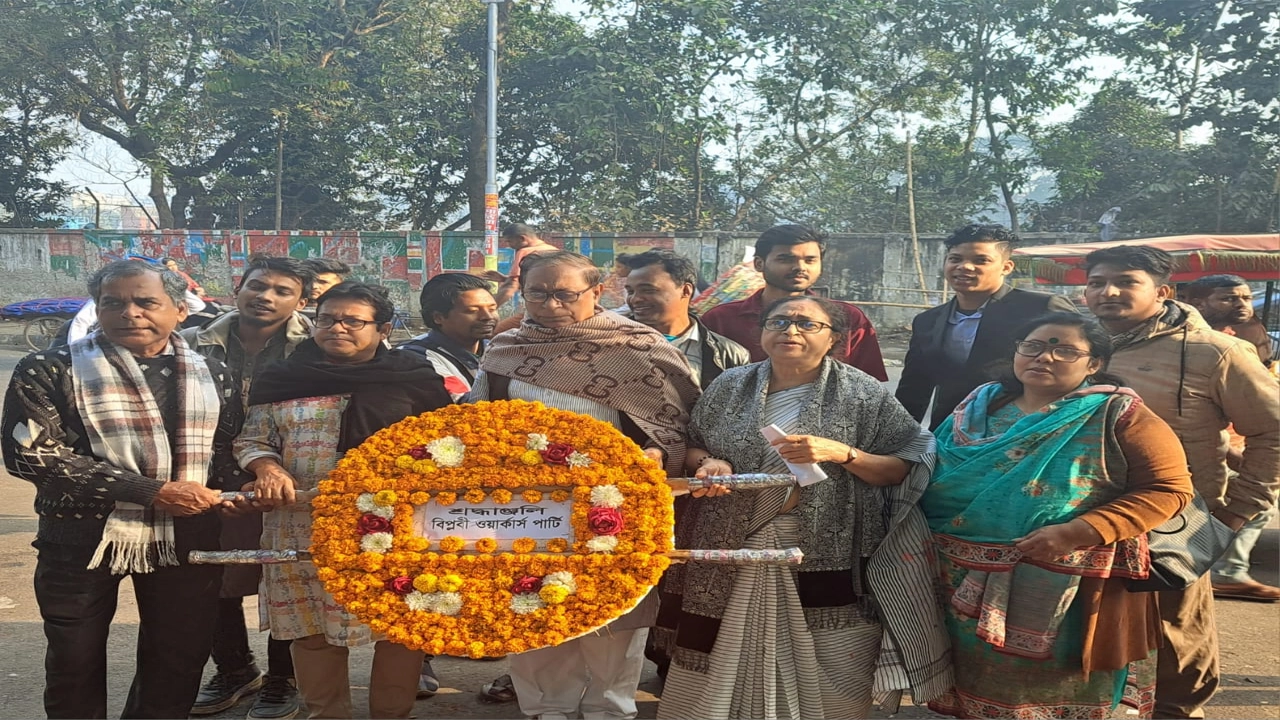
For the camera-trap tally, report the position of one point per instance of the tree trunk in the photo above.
(474, 179)
(997, 151)
(280, 174)
(164, 215)
(696, 215)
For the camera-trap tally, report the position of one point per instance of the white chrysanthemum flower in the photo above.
(537, 441)
(376, 542)
(602, 543)
(525, 603)
(447, 451)
(418, 601)
(562, 577)
(577, 459)
(606, 496)
(365, 503)
(384, 511)
(448, 603)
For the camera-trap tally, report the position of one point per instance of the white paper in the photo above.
(807, 474)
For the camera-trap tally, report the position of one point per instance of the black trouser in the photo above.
(176, 610)
(231, 643)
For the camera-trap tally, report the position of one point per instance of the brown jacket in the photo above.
(1199, 380)
(1157, 487)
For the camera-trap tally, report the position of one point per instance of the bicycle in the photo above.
(39, 333)
(403, 327)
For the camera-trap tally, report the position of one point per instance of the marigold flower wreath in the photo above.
(488, 596)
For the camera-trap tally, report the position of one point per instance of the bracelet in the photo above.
(704, 460)
(853, 455)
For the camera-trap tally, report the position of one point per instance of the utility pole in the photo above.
(491, 145)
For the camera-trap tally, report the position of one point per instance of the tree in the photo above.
(30, 145)
(1014, 59)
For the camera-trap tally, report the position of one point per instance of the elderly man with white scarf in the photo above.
(126, 435)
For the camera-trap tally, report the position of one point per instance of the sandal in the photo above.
(499, 691)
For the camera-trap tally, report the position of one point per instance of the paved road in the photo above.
(1250, 636)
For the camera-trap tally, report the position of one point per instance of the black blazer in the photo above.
(927, 369)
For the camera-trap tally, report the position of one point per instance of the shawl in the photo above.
(607, 359)
(384, 390)
(992, 488)
(126, 429)
(841, 518)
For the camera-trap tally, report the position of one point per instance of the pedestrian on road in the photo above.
(762, 642)
(266, 326)
(954, 345)
(790, 259)
(327, 397)
(572, 355)
(1046, 484)
(126, 435)
(1198, 381)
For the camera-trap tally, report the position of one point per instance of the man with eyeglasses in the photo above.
(570, 355)
(790, 259)
(954, 345)
(1198, 381)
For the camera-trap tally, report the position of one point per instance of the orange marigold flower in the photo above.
(419, 498)
(523, 545)
(557, 545)
(452, 543)
(532, 496)
(475, 496)
(486, 545)
(501, 496)
(445, 499)
(560, 496)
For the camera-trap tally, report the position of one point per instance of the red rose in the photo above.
(402, 585)
(605, 521)
(527, 584)
(370, 523)
(419, 453)
(557, 453)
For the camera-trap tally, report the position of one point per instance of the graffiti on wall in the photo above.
(399, 260)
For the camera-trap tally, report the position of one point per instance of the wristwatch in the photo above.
(853, 455)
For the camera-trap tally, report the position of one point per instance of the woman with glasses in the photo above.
(1046, 485)
(767, 642)
(570, 354)
(305, 412)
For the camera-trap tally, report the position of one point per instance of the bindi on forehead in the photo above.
(1053, 341)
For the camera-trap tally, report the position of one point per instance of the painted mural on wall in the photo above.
(57, 263)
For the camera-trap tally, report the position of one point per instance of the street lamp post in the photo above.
(491, 145)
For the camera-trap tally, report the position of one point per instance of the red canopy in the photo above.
(1253, 257)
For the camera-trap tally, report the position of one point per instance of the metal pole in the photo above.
(491, 146)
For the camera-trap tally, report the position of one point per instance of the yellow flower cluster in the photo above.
(496, 464)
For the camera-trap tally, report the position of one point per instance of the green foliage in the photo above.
(30, 145)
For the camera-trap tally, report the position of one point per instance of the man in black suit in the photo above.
(954, 344)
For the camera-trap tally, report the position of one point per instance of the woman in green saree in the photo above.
(1045, 486)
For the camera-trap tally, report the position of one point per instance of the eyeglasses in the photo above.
(324, 322)
(564, 297)
(808, 327)
(1061, 353)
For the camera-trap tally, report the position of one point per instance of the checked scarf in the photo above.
(126, 429)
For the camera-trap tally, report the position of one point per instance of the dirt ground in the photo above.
(1250, 633)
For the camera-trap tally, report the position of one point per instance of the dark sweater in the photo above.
(76, 491)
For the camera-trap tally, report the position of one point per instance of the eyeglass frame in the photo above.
(794, 322)
(524, 294)
(1051, 349)
(344, 322)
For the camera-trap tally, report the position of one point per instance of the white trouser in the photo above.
(597, 673)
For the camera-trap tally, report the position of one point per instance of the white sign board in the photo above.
(541, 521)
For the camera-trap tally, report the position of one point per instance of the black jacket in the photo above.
(719, 353)
(927, 369)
